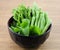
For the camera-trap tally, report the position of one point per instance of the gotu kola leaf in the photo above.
(25, 27)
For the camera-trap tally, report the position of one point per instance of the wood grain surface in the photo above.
(50, 6)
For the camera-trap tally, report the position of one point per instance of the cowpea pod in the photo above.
(32, 21)
(39, 20)
(48, 22)
(36, 10)
(29, 13)
(42, 23)
(36, 18)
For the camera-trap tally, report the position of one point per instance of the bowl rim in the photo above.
(46, 32)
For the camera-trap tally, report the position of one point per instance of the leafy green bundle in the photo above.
(29, 21)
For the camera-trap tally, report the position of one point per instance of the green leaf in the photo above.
(25, 27)
(35, 30)
(15, 29)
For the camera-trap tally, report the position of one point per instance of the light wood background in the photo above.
(53, 9)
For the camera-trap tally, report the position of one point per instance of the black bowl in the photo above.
(28, 41)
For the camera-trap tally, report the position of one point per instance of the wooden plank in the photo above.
(53, 9)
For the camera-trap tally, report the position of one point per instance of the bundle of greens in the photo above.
(29, 21)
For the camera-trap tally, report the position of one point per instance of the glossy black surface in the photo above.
(30, 41)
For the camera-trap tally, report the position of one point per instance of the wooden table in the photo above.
(53, 9)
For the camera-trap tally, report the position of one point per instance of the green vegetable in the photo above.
(24, 26)
(32, 21)
(48, 22)
(15, 29)
(29, 21)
